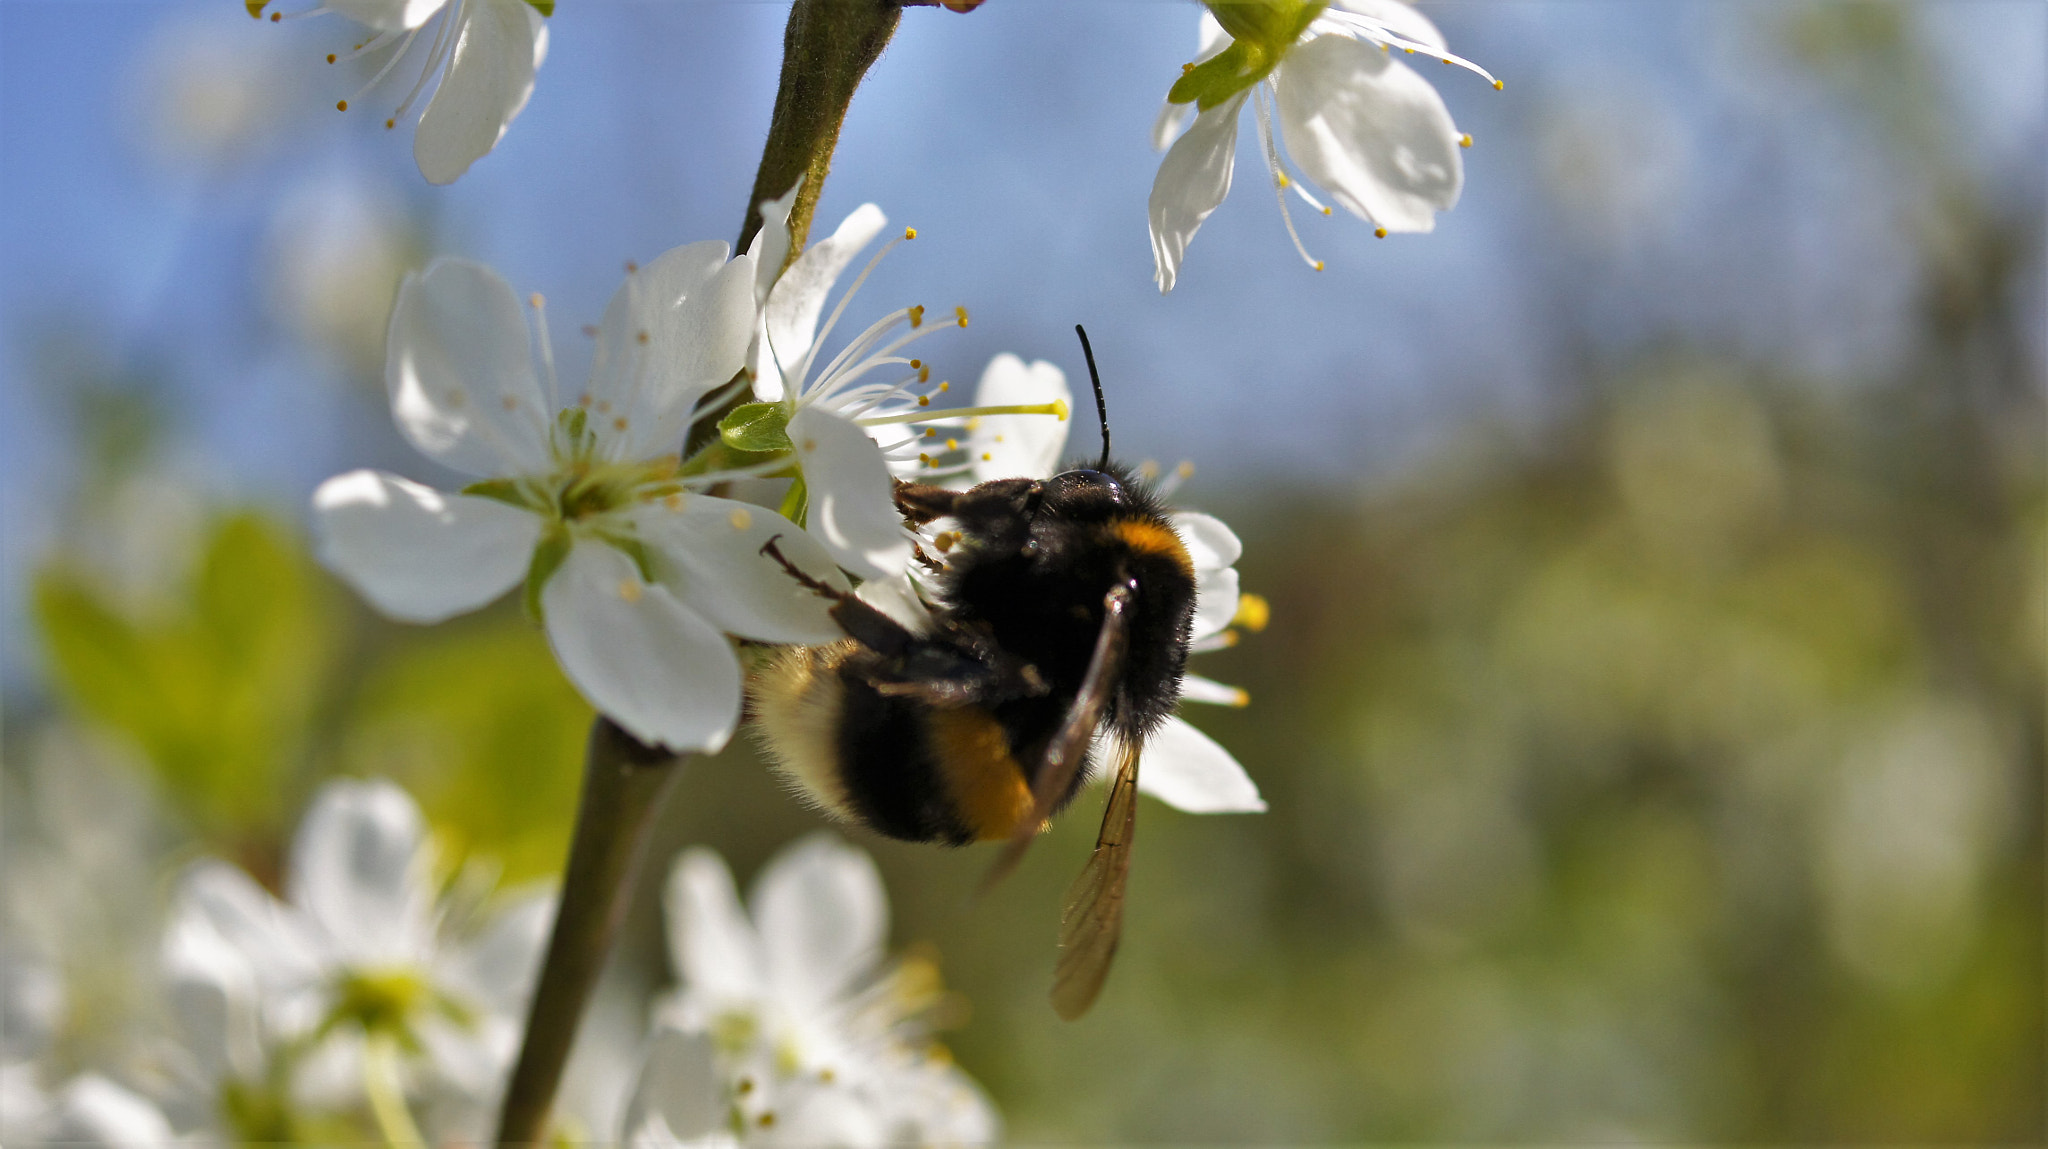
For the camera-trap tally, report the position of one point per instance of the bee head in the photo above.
(1083, 495)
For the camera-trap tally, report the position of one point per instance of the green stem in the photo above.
(624, 783)
(826, 50)
(387, 1093)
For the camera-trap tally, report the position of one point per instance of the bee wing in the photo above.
(1094, 917)
(1069, 747)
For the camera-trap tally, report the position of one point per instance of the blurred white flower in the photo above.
(789, 1027)
(637, 576)
(1362, 125)
(203, 95)
(484, 53)
(336, 251)
(845, 432)
(361, 984)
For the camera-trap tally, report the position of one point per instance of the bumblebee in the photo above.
(1063, 610)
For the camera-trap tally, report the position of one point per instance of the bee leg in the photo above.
(920, 503)
(861, 622)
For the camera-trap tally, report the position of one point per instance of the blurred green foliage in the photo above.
(219, 690)
(254, 678)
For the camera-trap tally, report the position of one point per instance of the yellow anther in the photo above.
(1499, 87)
(810, 445)
(909, 233)
(535, 301)
(619, 424)
(741, 519)
(744, 1087)
(767, 1118)
(330, 57)
(1228, 638)
(952, 444)
(629, 590)
(631, 267)
(673, 502)
(640, 337)
(944, 540)
(945, 386)
(924, 400)
(1253, 612)
(276, 16)
(1148, 470)
(604, 406)
(827, 1076)
(917, 316)
(509, 402)
(960, 313)
(916, 363)
(341, 105)
(390, 124)
(1446, 61)
(924, 458)
(999, 438)
(1318, 265)
(985, 456)
(924, 375)
(1465, 141)
(1410, 51)
(931, 432)
(584, 400)
(1059, 408)
(1186, 471)
(1281, 179)
(1239, 697)
(1186, 68)
(1380, 232)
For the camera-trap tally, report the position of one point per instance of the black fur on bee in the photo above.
(941, 736)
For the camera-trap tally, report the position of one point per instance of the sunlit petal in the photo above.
(1193, 179)
(1186, 769)
(1370, 131)
(460, 375)
(489, 77)
(418, 554)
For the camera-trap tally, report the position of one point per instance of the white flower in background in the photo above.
(484, 53)
(1362, 125)
(361, 985)
(790, 1027)
(845, 429)
(637, 576)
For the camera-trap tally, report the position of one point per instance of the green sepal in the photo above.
(255, 7)
(756, 427)
(635, 550)
(544, 7)
(548, 556)
(507, 491)
(796, 504)
(1261, 34)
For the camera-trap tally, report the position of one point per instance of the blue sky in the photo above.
(1735, 207)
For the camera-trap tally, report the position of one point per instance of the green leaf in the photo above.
(476, 721)
(756, 427)
(217, 689)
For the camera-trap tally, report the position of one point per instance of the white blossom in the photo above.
(847, 429)
(1357, 122)
(484, 54)
(637, 575)
(363, 982)
(790, 1027)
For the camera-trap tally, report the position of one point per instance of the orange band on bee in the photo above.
(1151, 538)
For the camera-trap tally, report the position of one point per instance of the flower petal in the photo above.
(853, 505)
(92, 1111)
(489, 77)
(646, 661)
(388, 15)
(268, 938)
(1369, 130)
(418, 554)
(498, 967)
(1018, 446)
(360, 870)
(711, 941)
(679, 1095)
(460, 376)
(1192, 181)
(771, 244)
(709, 555)
(823, 917)
(676, 329)
(798, 298)
(1186, 769)
(1211, 545)
(1216, 597)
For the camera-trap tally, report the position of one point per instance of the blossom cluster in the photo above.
(384, 992)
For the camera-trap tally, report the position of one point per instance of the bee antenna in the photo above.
(1101, 406)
